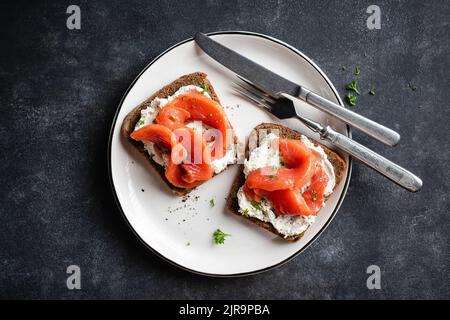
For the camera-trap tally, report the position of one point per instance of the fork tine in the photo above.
(256, 92)
(257, 100)
(249, 86)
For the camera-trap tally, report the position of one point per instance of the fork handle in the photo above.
(394, 172)
(371, 128)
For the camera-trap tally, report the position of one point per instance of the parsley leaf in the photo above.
(219, 236)
(205, 87)
(256, 205)
(353, 86)
(245, 213)
(357, 71)
(211, 203)
(351, 99)
(141, 122)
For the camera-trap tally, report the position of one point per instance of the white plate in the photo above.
(181, 232)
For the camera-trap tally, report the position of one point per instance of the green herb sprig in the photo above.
(219, 236)
(351, 99)
(353, 86)
(256, 205)
(205, 88)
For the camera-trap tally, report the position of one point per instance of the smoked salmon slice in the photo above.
(196, 165)
(189, 153)
(289, 202)
(252, 194)
(196, 106)
(296, 170)
(190, 157)
(314, 194)
(162, 136)
(172, 117)
(282, 186)
(174, 174)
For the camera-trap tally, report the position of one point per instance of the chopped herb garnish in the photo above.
(141, 122)
(412, 86)
(353, 86)
(245, 213)
(314, 194)
(219, 236)
(211, 203)
(234, 195)
(351, 99)
(357, 71)
(205, 87)
(343, 67)
(188, 244)
(256, 205)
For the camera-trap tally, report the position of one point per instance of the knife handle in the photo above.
(371, 128)
(394, 172)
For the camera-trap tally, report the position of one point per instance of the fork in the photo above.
(284, 108)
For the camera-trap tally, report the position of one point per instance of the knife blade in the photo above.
(275, 85)
(246, 68)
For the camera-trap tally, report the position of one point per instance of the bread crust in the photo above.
(197, 79)
(338, 163)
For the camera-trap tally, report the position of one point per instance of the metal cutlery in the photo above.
(278, 86)
(284, 108)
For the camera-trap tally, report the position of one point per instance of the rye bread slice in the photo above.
(197, 79)
(338, 163)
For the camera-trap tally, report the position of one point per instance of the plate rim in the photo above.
(241, 274)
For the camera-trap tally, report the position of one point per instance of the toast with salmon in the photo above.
(200, 90)
(235, 198)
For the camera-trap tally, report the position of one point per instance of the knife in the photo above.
(276, 85)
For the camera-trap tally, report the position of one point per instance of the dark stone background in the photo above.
(60, 89)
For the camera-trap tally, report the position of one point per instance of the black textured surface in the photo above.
(60, 89)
